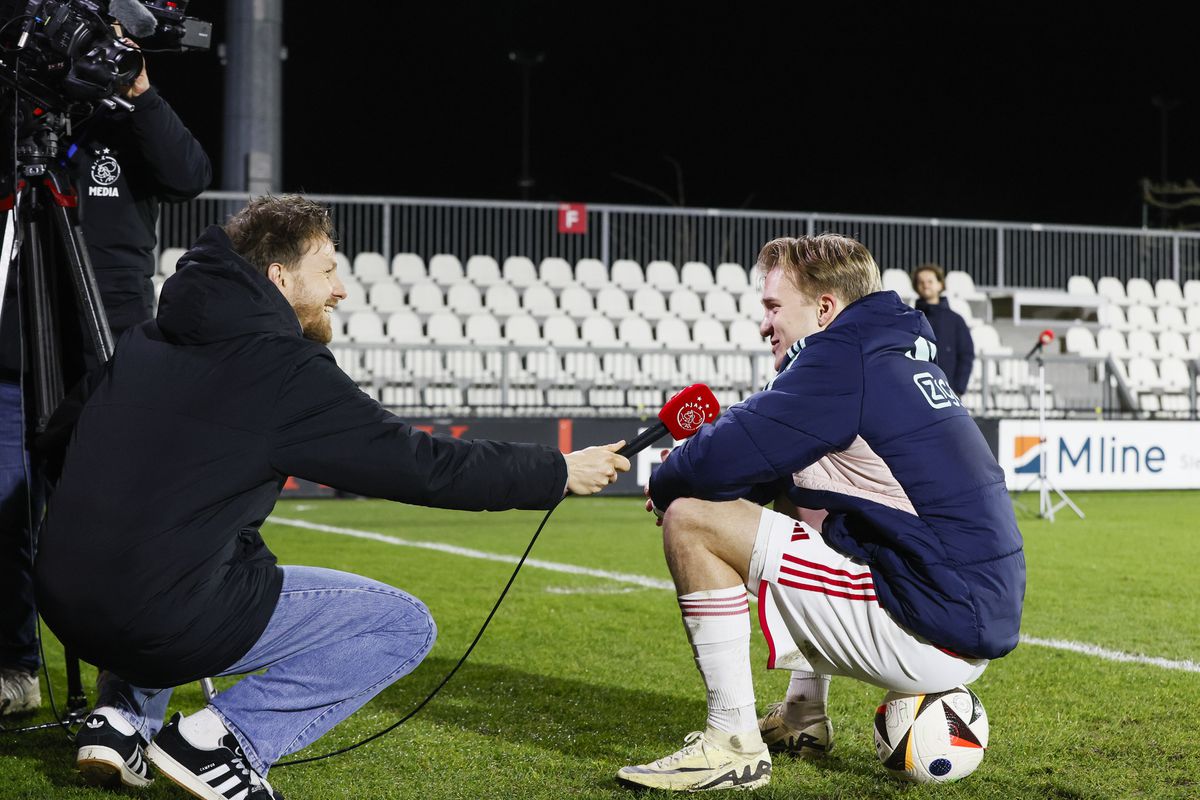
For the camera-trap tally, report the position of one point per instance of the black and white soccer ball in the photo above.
(927, 738)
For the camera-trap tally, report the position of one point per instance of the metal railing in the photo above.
(994, 254)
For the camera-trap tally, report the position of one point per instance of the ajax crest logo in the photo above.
(105, 169)
(691, 416)
(1027, 459)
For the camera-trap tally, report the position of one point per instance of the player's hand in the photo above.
(593, 468)
(658, 515)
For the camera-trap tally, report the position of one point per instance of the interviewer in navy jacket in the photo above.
(955, 348)
(896, 559)
(178, 455)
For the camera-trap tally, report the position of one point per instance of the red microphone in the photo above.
(1044, 338)
(681, 416)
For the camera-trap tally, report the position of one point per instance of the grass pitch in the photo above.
(580, 674)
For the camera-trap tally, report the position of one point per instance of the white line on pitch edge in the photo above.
(658, 583)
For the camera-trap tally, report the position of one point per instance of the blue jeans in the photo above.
(335, 641)
(18, 622)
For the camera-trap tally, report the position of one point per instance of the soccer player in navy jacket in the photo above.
(892, 555)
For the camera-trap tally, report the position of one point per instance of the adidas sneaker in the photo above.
(220, 773)
(19, 691)
(106, 757)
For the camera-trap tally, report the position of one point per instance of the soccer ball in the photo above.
(926, 738)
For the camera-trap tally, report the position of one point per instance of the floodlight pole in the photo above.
(1046, 506)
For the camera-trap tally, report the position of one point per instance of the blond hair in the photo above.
(825, 264)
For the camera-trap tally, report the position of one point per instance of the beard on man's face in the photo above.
(314, 323)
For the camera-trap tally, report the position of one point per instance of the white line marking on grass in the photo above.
(592, 590)
(657, 583)
(621, 577)
(1111, 655)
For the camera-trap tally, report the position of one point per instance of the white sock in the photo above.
(807, 699)
(114, 717)
(203, 729)
(718, 626)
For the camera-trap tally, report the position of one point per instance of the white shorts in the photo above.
(818, 612)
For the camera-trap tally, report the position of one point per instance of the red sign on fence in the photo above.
(572, 218)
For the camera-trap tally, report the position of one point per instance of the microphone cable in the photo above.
(449, 674)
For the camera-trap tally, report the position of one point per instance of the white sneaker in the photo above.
(19, 691)
(814, 741)
(708, 760)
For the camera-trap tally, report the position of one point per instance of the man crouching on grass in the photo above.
(181, 444)
(911, 576)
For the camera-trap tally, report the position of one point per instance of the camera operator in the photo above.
(123, 164)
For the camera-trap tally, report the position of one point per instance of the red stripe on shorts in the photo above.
(823, 590)
(814, 565)
(762, 623)
(867, 585)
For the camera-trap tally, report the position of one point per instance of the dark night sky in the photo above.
(1038, 115)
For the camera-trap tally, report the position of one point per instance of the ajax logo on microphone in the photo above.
(691, 416)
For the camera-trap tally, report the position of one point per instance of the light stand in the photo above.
(1046, 507)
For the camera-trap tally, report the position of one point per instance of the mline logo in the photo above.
(1087, 454)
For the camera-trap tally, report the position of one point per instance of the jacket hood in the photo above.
(215, 295)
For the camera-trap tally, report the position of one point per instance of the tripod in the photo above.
(1046, 507)
(47, 250)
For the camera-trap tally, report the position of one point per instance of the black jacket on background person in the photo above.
(955, 347)
(150, 562)
(123, 164)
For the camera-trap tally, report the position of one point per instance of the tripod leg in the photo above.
(77, 701)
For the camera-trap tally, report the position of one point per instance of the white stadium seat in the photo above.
(960, 284)
(649, 303)
(1111, 315)
(445, 269)
(404, 327)
(408, 268)
(482, 328)
(556, 272)
(598, 331)
(1171, 318)
(1080, 341)
(365, 326)
(719, 304)
(426, 297)
(1081, 285)
(1111, 342)
(685, 304)
(482, 271)
(733, 278)
(744, 333)
(1191, 292)
(1113, 289)
(519, 271)
(370, 267)
(750, 304)
(356, 295)
(697, 276)
(522, 329)
(502, 299)
(900, 282)
(576, 301)
(168, 260)
(539, 300)
(1168, 292)
(636, 332)
(464, 299)
(613, 303)
(662, 275)
(386, 297)
(590, 273)
(1141, 317)
(444, 327)
(560, 330)
(673, 333)
(1140, 292)
(627, 275)
(708, 332)
(1142, 343)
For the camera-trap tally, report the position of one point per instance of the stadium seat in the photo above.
(1141, 317)
(426, 297)
(1191, 292)
(699, 368)
(519, 271)
(464, 299)
(1142, 343)
(337, 324)
(591, 274)
(1193, 340)
(744, 334)
(1080, 341)
(709, 332)
(406, 397)
(1139, 291)
(685, 304)
(365, 326)
(522, 329)
(672, 332)
(1113, 289)
(1143, 375)
(448, 398)
(750, 304)
(960, 284)
(556, 272)
(1191, 320)
(662, 275)
(386, 365)
(386, 297)
(467, 367)
(1081, 285)
(644, 399)
(356, 295)
(602, 397)
(539, 300)
(583, 367)
(899, 281)
(636, 332)
(627, 275)
(598, 331)
(482, 271)
(649, 303)
(963, 308)
(732, 278)
(1111, 315)
(545, 366)
(613, 303)
(508, 368)
(370, 267)
(565, 397)
(445, 269)
(342, 261)
(560, 330)
(351, 363)
(1173, 344)
(168, 259)
(1168, 292)
(734, 370)
(661, 368)
(502, 300)
(444, 327)
(720, 305)
(697, 276)
(408, 268)
(576, 301)
(483, 328)
(1171, 318)
(1110, 342)
(404, 327)
(987, 341)
(1174, 375)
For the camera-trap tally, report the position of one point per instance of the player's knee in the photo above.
(686, 515)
